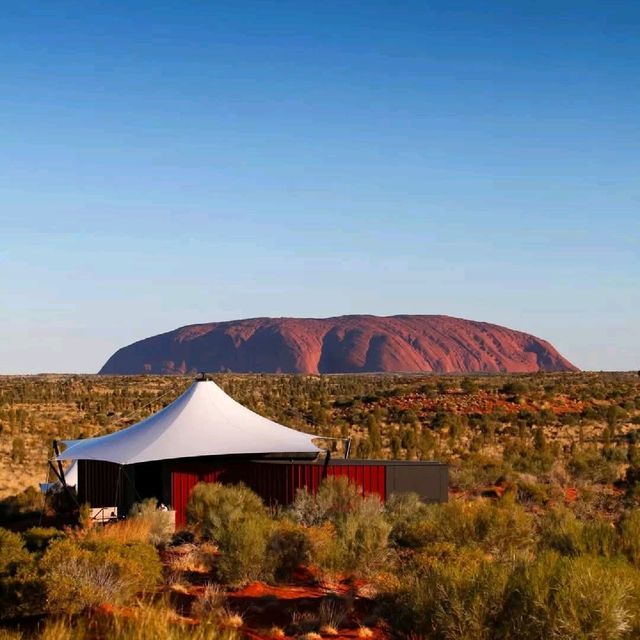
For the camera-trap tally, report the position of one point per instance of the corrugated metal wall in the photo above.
(273, 482)
(103, 484)
(100, 483)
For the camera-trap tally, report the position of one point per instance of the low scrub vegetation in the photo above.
(540, 538)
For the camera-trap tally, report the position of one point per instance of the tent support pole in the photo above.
(55, 471)
(60, 474)
(56, 450)
(347, 449)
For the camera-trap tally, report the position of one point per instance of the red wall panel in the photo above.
(274, 483)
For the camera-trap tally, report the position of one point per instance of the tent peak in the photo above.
(203, 421)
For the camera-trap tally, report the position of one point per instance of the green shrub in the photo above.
(456, 600)
(502, 529)
(584, 597)
(12, 552)
(39, 538)
(362, 538)
(528, 493)
(336, 498)
(21, 591)
(156, 622)
(289, 547)
(305, 509)
(402, 511)
(361, 532)
(600, 538)
(561, 531)
(629, 528)
(81, 575)
(477, 470)
(527, 459)
(590, 465)
(161, 523)
(236, 520)
(27, 503)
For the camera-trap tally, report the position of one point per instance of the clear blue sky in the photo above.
(168, 163)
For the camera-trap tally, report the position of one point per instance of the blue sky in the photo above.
(168, 163)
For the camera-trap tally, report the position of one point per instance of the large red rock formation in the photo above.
(346, 344)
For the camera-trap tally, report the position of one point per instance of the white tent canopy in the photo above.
(203, 421)
(70, 478)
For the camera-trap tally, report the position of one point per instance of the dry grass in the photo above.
(140, 623)
(328, 630)
(231, 620)
(193, 558)
(131, 530)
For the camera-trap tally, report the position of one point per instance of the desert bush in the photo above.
(289, 546)
(95, 571)
(515, 388)
(190, 557)
(161, 523)
(629, 528)
(361, 531)
(528, 459)
(305, 509)
(236, 520)
(600, 538)
(561, 531)
(39, 538)
(402, 511)
(336, 498)
(590, 465)
(477, 470)
(332, 614)
(529, 492)
(362, 538)
(504, 529)
(123, 531)
(21, 591)
(556, 597)
(356, 545)
(27, 503)
(452, 600)
(13, 553)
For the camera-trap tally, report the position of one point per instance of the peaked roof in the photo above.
(203, 421)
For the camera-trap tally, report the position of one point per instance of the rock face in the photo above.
(345, 344)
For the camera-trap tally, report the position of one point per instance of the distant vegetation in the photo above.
(540, 539)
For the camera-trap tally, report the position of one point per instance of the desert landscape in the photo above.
(319, 320)
(543, 509)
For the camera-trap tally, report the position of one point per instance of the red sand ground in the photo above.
(264, 606)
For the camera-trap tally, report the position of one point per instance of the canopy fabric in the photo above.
(70, 478)
(203, 421)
